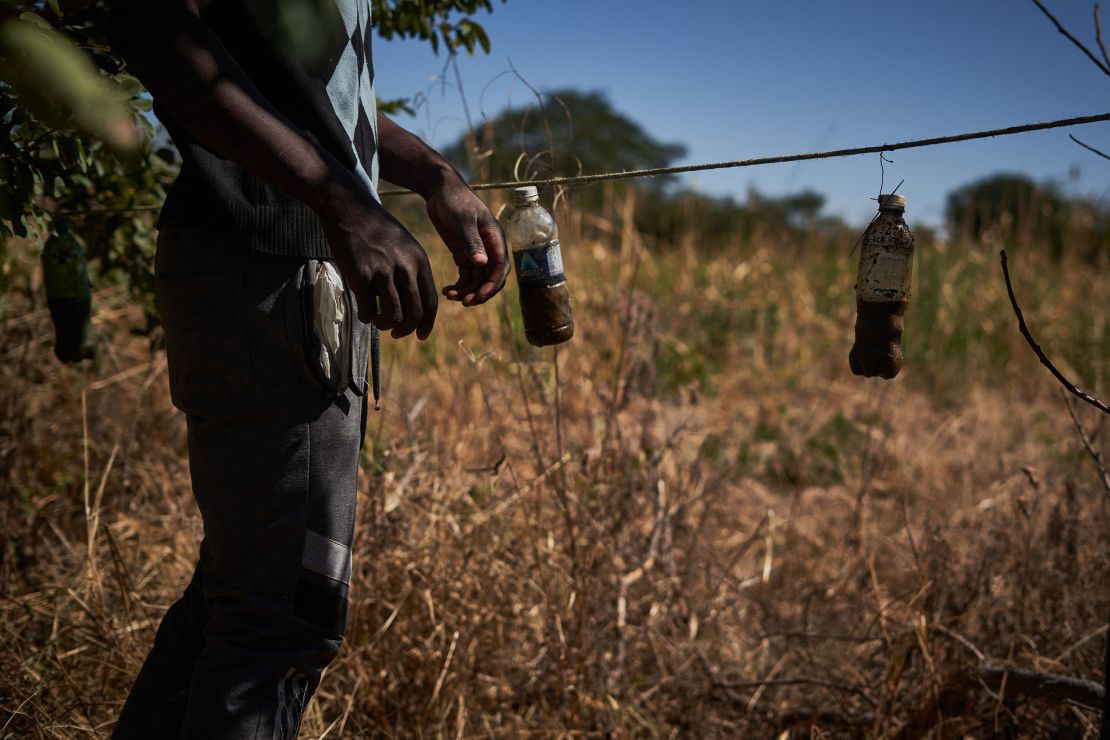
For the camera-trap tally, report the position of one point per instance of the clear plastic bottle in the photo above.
(544, 299)
(882, 291)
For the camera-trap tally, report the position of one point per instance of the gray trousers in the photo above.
(273, 455)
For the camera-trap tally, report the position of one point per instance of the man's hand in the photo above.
(382, 263)
(461, 218)
(475, 239)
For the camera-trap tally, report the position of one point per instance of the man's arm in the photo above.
(197, 82)
(467, 227)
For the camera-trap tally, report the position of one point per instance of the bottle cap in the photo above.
(892, 201)
(526, 194)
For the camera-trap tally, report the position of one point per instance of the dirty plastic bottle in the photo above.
(544, 299)
(882, 291)
(66, 276)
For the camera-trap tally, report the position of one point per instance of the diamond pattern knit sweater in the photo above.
(318, 70)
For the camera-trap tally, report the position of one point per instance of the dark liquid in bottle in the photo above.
(73, 335)
(878, 348)
(547, 314)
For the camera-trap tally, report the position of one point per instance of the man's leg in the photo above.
(278, 503)
(156, 705)
(273, 459)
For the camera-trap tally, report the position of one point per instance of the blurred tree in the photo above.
(1010, 207)
(1014, 209)
(569, 132)
(717, 221)
(80, 137)
(565, 132)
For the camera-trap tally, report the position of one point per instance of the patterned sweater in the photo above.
(317, 69)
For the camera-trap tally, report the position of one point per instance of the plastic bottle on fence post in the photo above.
(66, 277)
(544, 299)
(882, 291)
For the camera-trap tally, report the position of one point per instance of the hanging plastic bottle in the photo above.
(66, 276)
(544, 299)
(882, 291)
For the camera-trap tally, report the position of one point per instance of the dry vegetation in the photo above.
(699, 525)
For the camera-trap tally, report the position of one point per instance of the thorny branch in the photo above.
(1071, 387)
(1104, 66)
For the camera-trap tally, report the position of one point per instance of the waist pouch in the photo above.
(336, 341)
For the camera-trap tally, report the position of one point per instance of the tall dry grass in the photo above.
(691, 521)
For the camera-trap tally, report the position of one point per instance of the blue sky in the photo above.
(739, 79)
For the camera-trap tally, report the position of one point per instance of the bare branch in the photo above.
(1042, 685)
(1089, 444)
(968, 644)
(1071, 388)
(1098, 35)
(1000, 677)
(1104, 66)
(1104, 155)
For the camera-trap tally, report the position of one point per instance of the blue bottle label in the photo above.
(539, 266)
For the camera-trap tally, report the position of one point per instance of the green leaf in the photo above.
(129, 86)
(483, 38)
(36, 19)
(58, 83)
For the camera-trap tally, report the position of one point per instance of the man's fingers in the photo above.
(411, 305)
(367, 305)
(471, 250)
(470, 279)
(426, 285)
(493, 238)
(491, 287)
(494, 274)
(391, 312)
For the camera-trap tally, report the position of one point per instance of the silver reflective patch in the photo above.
(326, 557)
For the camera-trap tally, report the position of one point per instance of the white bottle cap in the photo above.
(526, 194)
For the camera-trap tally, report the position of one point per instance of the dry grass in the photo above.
(701, 525)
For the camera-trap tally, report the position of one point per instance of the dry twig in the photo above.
(1071, 387)
(1098, 35)
(1089, 444)
(1042, 685)
(1000, 677)
(1088, 147)
(1104, 66)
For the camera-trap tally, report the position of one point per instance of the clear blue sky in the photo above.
(740, 79)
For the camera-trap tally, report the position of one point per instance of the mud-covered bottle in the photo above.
(544, 299)
(66, 277)
(882, 291)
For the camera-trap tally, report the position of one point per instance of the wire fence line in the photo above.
(730, 164)
(784, 158)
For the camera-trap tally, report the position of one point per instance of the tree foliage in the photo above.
(436, 21)
(1013, 208)
(565, 132)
